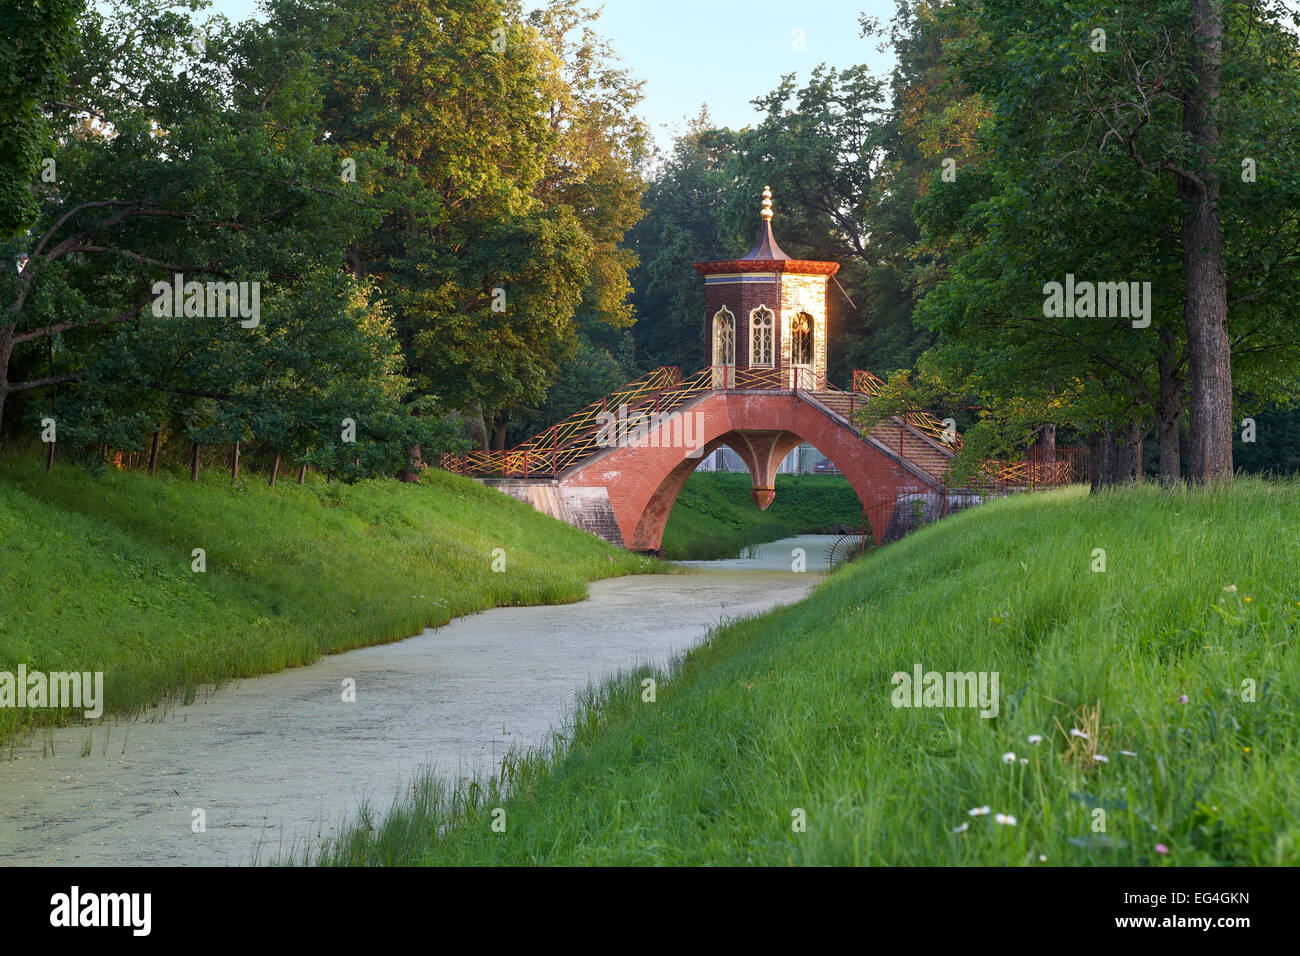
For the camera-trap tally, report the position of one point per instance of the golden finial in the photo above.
(767, 203)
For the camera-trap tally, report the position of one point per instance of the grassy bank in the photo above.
(791, 711)
(715, 517)
(96, 572)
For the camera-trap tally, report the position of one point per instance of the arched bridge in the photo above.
(616, 467)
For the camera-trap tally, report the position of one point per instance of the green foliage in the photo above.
(1076, 172)
(820, 147)
(430, 196)
(1276, 448)
(586, 377)
(214, 172)
(595, 169)
(36, 38)
(506, 181)
(846, 163)
(683, 224)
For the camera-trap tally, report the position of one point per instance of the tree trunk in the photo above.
(302, 475)
(6, 350)
(499, 433)
(275, 470)
(1112, 456)
(234, 469)
(1100, 445)
(194, 463)
(1116, 455)
(1047, 443)
(1168, 424)
(414, 465)
(1129, 459)
(1205, 310)
(476, 426)
(154, 448)
(1169, 410)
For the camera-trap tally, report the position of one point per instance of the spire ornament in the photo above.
(767, 204)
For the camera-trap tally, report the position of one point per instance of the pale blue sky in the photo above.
(720, 52)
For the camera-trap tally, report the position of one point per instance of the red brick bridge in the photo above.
(616, 467)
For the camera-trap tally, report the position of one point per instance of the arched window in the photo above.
(801, 340)
(762, 324)
(724, 337)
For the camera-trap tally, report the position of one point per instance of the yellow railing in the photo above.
(657, 394)
(870, 385)
(585, 432)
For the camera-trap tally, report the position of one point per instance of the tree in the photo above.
(504, 185)
(683, 224)
(214, 179)
(36, 38)
(598, 145)
(1113, 129)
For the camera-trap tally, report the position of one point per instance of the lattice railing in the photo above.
(580, 422)
(871, 385)
(1059, 466)
(586, 432)
(651, 399)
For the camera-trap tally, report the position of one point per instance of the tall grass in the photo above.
(791, 711)
(95, 572)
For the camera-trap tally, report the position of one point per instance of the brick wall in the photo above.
(784, 295)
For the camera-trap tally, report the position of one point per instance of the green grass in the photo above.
(95, 572)
(792, 710)
(715, 517)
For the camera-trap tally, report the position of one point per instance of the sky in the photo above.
(722, 53)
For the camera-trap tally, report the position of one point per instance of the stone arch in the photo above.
(643, 483)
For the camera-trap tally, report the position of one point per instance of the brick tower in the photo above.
(766, 315)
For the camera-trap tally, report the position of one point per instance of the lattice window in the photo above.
(724, 337)
(801, 339)
(762, 325)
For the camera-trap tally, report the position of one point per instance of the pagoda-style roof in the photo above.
(766, 255)
(765, 249)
